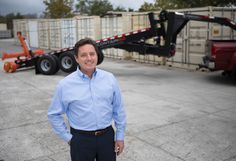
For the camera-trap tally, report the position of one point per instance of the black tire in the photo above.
(234, 74)
(67, 63)
(47, 65)
(57, 63)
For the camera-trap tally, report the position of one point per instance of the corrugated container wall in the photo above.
(88, 27)
(55, 35)
(115, 25)
(192, 41)
(68, 31)
(43, 33)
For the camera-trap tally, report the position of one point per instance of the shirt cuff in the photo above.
(67, 137)
(120, 135)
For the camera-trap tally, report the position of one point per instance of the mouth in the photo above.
(89, 63)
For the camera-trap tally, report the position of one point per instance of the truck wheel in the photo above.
(67, 63)
(47, 65)
(234, 73)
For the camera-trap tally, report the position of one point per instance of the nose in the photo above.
(89, 57)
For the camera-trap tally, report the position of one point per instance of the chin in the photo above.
(90, 68)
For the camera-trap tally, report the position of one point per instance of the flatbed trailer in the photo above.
(163, 31)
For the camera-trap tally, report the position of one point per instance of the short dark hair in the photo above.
(83, 42)
(90, 41)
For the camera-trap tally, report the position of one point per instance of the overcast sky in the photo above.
(37, 6)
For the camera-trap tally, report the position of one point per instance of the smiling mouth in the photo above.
(89, 63)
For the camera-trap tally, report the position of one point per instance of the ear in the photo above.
(76, 59)
(100, 56)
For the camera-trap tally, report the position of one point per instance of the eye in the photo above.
(92, 53)
(83, 55)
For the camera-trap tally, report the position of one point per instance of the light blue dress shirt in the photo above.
(90, 104)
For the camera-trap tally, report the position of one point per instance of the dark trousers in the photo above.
(85, 147)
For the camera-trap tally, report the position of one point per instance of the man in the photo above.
(91, 99)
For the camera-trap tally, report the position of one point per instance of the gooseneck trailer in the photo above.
(163, 31)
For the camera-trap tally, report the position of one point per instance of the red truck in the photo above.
(163, 29)
(221, 56)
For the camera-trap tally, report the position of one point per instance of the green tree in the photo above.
(100, 7)
(130, 10)
(58, 8)
(147, 7)
(176, 4)
(83, 7)
(96, 7)
(202, 3)
(30, 15)
(8, 19)
(169, 4)
(120, 9)
(172, 4)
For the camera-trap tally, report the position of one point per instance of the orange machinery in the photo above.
(27, 53)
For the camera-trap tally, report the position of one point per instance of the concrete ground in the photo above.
(173, 114)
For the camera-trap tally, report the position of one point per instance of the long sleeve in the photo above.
(55, 112)
(119, 115)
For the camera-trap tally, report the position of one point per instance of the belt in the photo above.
(93, 133)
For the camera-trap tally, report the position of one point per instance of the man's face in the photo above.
(87, 58)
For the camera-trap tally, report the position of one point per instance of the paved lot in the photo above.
(173, 114)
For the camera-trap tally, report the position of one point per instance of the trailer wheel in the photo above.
(57, 62)
(68, 63)
(47, 65)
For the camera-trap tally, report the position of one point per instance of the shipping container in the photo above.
(114, 25)
(43, 33)
(88, 26)
(68, 32)
(192, 42)
(55, 35)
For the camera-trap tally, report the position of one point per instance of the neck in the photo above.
(89, 73)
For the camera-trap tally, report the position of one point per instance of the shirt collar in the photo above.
(82, 75)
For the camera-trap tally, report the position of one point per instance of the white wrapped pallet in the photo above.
(89, 27)
(33, 33)
(68, 31)
(192, 41)
(3, 27)
(43, 33)
(20, 25)
(5, 34)
(140, 21)
(55, 34)
(115, 25)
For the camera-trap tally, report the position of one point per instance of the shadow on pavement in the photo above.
(219, 79)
